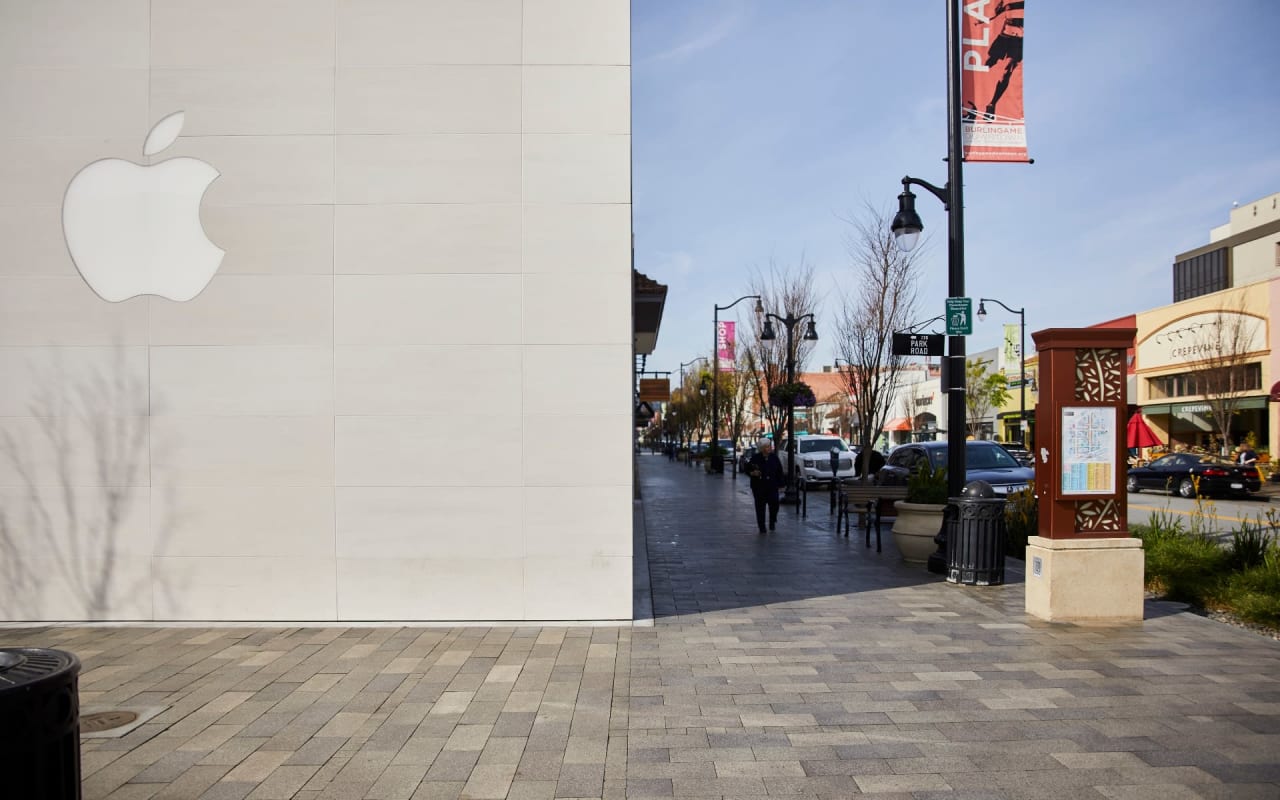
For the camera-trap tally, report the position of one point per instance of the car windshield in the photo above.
(978, 456)
(821, 445)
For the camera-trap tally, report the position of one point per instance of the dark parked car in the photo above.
(1020, 454)
(984, 461)
(1180, 472)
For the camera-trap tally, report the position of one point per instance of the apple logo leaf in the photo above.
(163, 134)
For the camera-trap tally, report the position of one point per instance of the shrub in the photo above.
(1249, 546)
(927, 485)
(1183, 566)
(1022, 520)
(1254, 594)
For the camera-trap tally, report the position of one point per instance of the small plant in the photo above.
(1254, 594)
(1022, 521)
(1249, 546)
(927, 485)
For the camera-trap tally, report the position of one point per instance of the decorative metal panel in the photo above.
(1100, 375)
(1098, 515)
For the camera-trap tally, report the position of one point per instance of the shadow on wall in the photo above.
(76, 530)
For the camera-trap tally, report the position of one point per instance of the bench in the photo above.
(867, 498)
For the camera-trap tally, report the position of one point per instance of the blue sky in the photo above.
(759, 124)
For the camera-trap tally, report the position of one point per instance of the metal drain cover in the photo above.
(112, 722)
(106, 720)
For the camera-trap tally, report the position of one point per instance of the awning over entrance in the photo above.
(898, 424)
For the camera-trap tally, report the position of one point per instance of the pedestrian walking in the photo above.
(765, 471)
(1248, 456)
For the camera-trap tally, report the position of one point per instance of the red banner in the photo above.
(991, 80)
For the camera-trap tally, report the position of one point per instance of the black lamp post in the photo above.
(906, 229)
(810, 335)
(1022, 361)
(717, 460)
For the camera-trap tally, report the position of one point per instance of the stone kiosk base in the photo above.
(1082, 580)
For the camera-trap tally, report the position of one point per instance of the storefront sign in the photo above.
(1190, 339)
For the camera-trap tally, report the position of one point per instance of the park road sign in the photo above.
(959, 316)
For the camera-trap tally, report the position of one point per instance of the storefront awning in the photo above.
(898, 424)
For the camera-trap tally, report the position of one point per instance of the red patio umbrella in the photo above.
(1140, 434)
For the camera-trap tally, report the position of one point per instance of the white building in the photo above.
(406, 392)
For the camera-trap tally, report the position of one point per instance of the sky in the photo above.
(761, 126)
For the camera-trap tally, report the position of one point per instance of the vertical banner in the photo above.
(991, 80)
(1012, 346)
(725, 345)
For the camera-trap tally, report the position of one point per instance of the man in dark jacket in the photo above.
(765, 471)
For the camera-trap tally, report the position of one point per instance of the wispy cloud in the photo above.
(706, 39)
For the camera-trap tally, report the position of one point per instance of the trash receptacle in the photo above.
(39, 723)
(975, 537)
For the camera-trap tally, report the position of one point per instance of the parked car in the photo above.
(1020, 454)
(747, 453)
(984, 461)
(813, 451)
(729, 450)
(1180, 472)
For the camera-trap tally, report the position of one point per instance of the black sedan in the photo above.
(984, 461)
(1181, 472)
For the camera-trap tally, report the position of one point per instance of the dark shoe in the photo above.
(773, 526)
(763, 531)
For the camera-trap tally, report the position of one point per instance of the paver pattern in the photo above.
(798, 664)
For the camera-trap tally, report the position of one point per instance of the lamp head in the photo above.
(768, 334)
(759, 306)
(982, 310)
(906, 226)
(810, 332)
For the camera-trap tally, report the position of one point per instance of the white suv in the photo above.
(814, 454)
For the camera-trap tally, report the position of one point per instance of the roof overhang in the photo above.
(648, 297)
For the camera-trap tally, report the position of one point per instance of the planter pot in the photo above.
(915, 527)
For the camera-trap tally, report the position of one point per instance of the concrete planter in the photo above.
(915, 527)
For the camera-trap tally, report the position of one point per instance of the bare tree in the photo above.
(786, 291)
(1226, 348)
(884, 302)
(739, 387)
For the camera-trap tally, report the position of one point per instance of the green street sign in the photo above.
(959, 316)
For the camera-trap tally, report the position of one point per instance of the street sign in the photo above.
(918, 344)
(959, 316)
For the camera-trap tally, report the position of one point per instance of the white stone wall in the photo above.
(406, 395)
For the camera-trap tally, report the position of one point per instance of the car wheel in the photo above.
(1131, 484)
(1187, 488)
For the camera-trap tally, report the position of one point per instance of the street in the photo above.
(1223, 515)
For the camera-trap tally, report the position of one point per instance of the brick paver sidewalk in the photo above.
(798, 664)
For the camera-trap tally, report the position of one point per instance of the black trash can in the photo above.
(39, 723)
(975, 537)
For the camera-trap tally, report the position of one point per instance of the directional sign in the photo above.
(959, 316)
(917, 344)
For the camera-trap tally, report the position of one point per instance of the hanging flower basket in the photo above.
(792, 395)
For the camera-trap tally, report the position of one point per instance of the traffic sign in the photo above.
(959, 316)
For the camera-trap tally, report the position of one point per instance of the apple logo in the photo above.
(133, 229)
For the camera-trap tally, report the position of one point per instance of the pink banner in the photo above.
(725, 345)
(995, 128)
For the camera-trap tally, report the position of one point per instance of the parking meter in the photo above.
(835, 462)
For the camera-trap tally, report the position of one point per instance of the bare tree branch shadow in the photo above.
(76, 534)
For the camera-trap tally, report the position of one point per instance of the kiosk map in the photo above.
(1088, 450)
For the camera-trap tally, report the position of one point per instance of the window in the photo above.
(1247, 377)
(1201, 274)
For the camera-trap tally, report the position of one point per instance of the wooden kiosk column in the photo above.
(1084, 565)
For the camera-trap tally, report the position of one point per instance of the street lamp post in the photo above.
(810, 335)
(906, 229)
(717, 460)
(1022, 361)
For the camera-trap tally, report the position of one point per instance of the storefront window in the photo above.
(1186, 384)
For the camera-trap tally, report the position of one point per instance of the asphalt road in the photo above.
(1219, 515)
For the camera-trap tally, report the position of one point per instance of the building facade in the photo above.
(404, 392)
